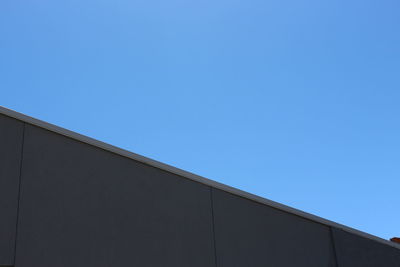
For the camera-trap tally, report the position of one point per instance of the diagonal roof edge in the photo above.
(188, 175)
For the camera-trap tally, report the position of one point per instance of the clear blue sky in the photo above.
(294, 100)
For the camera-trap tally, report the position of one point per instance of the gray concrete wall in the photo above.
(11, 132)
(251, 234)
(356, 251)
(83, 206)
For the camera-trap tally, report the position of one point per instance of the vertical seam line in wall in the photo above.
(213, 225)
(19, 191)
(333, 247)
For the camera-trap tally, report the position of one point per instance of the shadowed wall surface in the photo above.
(251, 234)
(83, 206)
(77, 204)
(10, 157)
(356, 251)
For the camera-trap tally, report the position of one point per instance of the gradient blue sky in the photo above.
(294, 100)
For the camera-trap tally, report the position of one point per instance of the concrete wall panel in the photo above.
(11, 132)
(251, 234)
(82, 206)
(356, 251)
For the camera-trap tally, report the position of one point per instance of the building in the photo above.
(67, 200)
